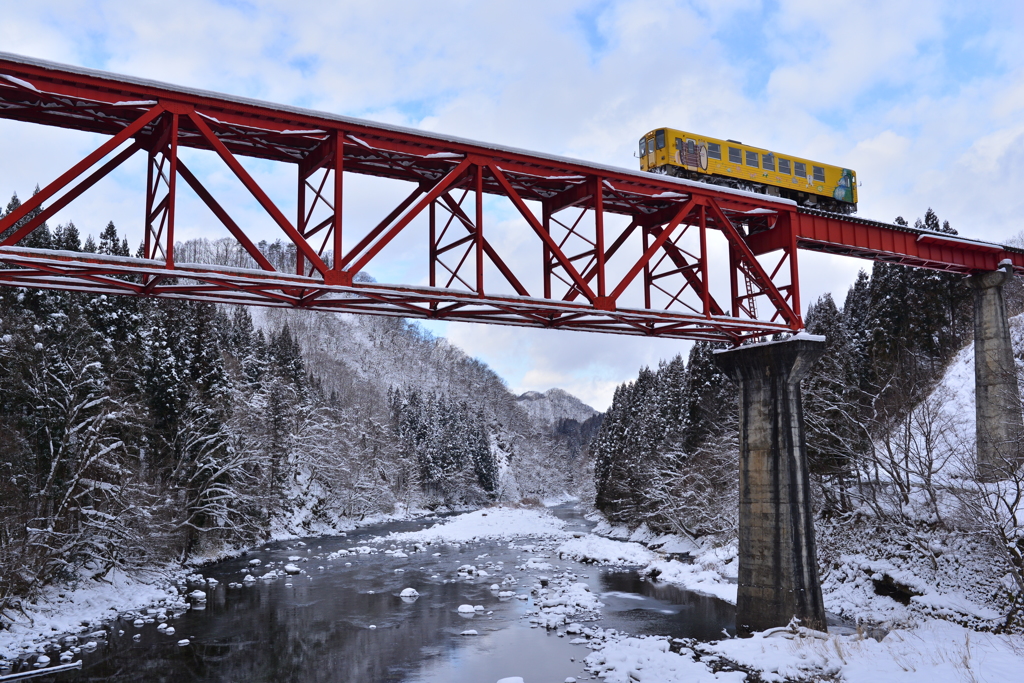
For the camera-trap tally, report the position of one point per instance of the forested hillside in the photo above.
(891, 464)
(887, 346)
(140, 431)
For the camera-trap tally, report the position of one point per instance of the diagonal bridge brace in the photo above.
(36, 201)
(750, 264)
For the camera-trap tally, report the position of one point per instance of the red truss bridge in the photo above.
(611, 250)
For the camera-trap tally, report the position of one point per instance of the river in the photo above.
(347, 621)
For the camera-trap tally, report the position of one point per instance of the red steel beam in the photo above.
(877, 241)
(128, 108)
(75, 271)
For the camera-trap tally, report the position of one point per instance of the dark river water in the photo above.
(348, 623)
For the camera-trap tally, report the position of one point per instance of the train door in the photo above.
(690, 157)
(653, 147)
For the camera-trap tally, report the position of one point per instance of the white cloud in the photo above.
(831, 53)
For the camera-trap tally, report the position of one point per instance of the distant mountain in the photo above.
(553, 406)
(362, 361)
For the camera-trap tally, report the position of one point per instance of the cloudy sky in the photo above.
(925, 100)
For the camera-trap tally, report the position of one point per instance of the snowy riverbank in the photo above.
(562, 601)
(926, 649)
(84, 607)
(934, 652)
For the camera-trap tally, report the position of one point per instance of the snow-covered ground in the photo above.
(84, 609)
(498, 523)
(934, 652)
(926, 649)
(955, 391)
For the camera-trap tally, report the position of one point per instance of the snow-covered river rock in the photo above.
(486, 603)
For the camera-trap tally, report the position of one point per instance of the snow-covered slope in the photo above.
(554, 405)
(921, 543)
(359, 359)
(954, 394)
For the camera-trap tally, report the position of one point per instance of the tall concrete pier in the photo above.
(778, 567)
(996, 395)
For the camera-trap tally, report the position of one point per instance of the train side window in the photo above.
(751, 158)
(768, 161)
(659, 139)
(643, 146)
(819, 173)
(735, 155)
(799, 169)
(784, 166)
(714, 151)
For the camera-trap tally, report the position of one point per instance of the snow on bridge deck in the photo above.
(654, 277)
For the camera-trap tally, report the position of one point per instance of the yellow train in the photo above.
(733, 164)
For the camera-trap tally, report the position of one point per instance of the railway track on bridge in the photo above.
(613, 250)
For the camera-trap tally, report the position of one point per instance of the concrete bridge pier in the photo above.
(996, 396)
(778, 566)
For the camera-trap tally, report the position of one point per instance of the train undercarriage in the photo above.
(802, 198)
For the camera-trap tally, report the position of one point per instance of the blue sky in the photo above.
(925, 99)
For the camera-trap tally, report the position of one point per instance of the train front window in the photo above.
(751, 158)
(735, 155)
(714, 151)
(659, 139)
(784, 166)
(643, 146)
(768, 161)
(799, 169)
(819, 174)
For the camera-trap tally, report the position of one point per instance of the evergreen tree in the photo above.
(39, 238)
(110, 244)
(608, 447)
(833, 406)
(660, 455)
(708, 400)
(856, 320)
(66, 238)
(244, 343)
(286, 356)
(479, 446)
(919, 319)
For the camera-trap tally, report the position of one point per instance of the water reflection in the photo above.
(350, 623)
(638, 605)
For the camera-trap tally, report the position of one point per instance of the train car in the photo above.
(733, 164)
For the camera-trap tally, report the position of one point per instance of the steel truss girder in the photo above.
(75, 271)
(450, 178)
